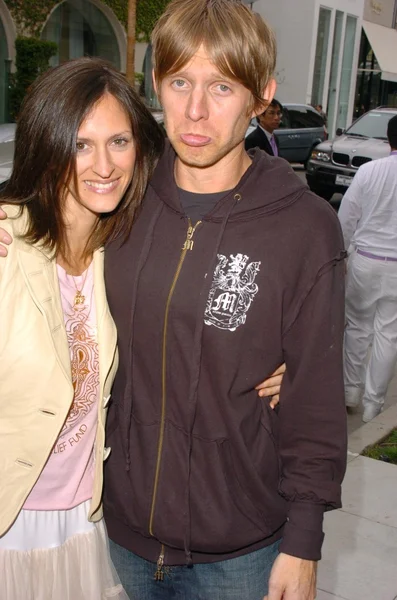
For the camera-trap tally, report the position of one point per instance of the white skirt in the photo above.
(57, 555)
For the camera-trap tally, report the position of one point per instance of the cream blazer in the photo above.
(36, 389)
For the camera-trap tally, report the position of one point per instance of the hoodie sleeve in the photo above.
(313, 436)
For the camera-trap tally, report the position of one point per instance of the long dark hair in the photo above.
(45, 150)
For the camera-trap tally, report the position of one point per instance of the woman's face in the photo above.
(105, 160)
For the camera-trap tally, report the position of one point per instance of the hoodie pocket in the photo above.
(239, 492)
(229, 510)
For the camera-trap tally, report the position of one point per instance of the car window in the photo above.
(302, 118)
(285, 122)
(373, 124)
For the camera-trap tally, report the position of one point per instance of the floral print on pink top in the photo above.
(68, 476)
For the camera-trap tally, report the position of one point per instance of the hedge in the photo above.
(32, 59)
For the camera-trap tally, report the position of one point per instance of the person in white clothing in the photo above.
(368, 215)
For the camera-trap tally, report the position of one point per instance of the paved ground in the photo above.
(360, 549)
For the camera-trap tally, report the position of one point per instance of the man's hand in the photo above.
(292, 578)
(271, 386)
(5, 238)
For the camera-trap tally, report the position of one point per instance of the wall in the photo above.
(140, 49)
(380, 12)
(342, 115)
(293, 28)
(295, 24)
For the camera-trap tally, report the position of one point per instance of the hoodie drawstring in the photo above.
(195, 376)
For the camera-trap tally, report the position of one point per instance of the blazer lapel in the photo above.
(42, 281)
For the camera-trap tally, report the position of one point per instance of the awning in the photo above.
(383, 41)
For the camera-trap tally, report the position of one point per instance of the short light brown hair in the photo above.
(45, 150)
(239, 42)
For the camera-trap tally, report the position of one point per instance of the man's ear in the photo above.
(155, 86)
(268, 94)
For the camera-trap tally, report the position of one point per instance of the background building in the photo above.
(377, 68)
(338, 53)
(79, 28)
(318, 50)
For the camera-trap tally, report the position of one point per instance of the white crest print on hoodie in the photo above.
(232, 291)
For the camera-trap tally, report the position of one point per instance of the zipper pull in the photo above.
(159, 574)
(188, 245)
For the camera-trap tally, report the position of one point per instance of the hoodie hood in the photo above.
(281, 187)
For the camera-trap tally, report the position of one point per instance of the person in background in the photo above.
(368, 218)
(319, 109)
(263, 136)
(85, 147)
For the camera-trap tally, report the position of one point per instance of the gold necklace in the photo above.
(79, 297)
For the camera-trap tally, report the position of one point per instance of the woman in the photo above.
(84, 150)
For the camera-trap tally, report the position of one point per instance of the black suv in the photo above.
(333, 164)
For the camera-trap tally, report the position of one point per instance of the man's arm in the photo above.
(313, 428)
(313, 436)
(350, 209)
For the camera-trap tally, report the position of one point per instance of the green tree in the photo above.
(131, 38)
(148, 12)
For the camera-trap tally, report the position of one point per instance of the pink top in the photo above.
(68, 476)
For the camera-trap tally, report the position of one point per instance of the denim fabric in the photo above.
(242, 578)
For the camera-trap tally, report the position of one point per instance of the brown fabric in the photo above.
(232, 471)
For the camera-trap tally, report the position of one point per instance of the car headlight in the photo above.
(321, 155)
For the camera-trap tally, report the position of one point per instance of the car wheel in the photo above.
(323, 193)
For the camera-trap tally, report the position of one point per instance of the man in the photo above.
(319, 109)
(263, 136)
(231, 267)
(208, 493)
(368, 218)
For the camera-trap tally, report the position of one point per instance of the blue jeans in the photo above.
(242, 578)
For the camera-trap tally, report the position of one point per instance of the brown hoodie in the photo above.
(201, 469)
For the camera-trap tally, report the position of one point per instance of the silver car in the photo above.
(301, 129)
(334, 163)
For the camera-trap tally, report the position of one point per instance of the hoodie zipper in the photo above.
(188, 245)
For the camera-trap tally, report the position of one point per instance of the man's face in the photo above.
(206, 114)
(271, 118)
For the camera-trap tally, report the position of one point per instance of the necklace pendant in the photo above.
(79, 298)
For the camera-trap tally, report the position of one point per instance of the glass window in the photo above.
(285, 122)
(81, 29)
(346, 75)
(370, 86)
(302, 118)
(333, 83)
(324, 22)
(373, 124)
